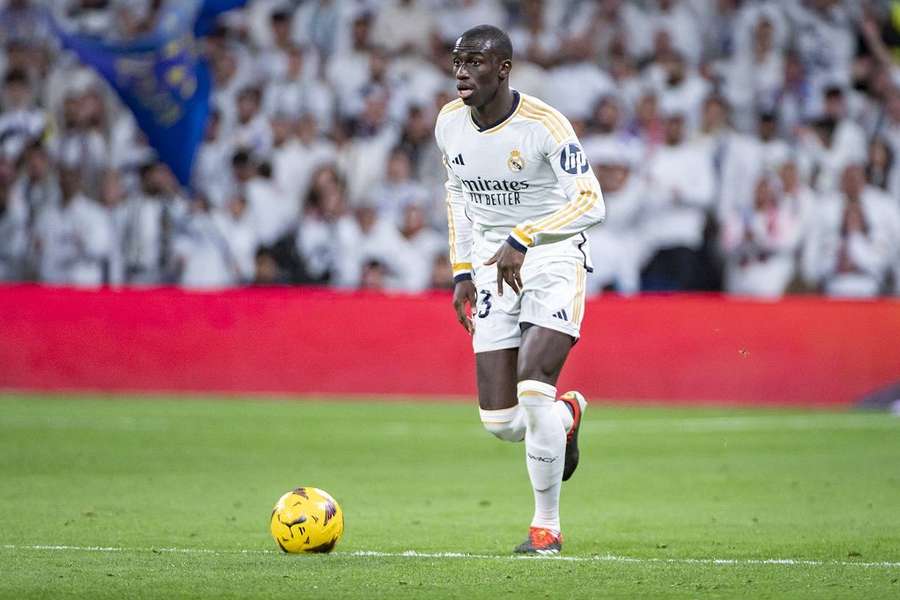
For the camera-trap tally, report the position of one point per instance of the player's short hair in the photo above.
(493, 38)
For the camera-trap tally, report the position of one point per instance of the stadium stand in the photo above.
(751, 147)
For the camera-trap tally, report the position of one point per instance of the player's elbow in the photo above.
(599, 212)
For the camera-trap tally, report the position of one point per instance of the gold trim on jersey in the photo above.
(585, 200)
(451, 106)
(578, 301)
(463, 267)
(451, 230)
(552, 119)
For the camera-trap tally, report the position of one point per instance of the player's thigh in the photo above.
(497, 378)
(552, 308)
(542, 354)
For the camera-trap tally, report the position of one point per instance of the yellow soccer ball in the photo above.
(307, 519)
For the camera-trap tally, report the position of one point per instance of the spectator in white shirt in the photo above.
(616, 246)
(681, 184)
(825, 38)
(882, 168)
(73, 239)
(607, 125)
(797, 196)
(298, 152)
(235, 222)
(21, 120)
(755, 76)
(328, 238)
(297, 92)
(202, 256)
(403, 26)
(460, 15)
(364, 158)
(37, 185)
(891, 126)
(347, 71)
(579, 72)
(676, 83)
(827, 147)
(211, 172)
(535, 39)
(760, 244)
(422, 246)
(251, 131)
(277, 45)
(84, 139)
(676, 18)
(150, 223)
(13, 227)
(379, 240)
(854, 240)
(398, 189)
(274, 213)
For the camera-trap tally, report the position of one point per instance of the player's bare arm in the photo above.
(464, 298)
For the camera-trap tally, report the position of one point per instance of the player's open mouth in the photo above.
(464, 92)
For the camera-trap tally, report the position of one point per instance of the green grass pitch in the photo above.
(170, 497)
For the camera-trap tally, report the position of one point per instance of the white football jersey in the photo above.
(525, 180)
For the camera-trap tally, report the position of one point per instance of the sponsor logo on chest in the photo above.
(487, 191)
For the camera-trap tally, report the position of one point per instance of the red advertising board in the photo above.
(808, 351)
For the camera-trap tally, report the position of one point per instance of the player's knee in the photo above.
(505, 424)
(503, 431)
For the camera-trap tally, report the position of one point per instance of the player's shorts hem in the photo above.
(490, 347)
(554, 324)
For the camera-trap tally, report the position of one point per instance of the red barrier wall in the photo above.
(681, 348)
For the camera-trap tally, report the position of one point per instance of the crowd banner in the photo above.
(160, 77)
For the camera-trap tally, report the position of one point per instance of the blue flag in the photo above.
(161, 78)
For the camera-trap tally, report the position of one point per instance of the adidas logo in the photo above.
(458, 160)
(561, 315)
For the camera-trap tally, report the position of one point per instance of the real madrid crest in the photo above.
(515, 162)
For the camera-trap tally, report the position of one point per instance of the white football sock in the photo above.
(565, 415)
(545, 446)
(506, 423)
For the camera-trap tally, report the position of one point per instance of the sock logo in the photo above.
(543, 459)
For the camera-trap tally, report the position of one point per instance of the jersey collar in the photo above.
(517, 102)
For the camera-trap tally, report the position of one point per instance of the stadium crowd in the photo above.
(745, 146)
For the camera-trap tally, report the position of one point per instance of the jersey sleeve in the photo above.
(584, 208)
(459, 227)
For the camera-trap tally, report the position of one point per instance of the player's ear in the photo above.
(505, 68)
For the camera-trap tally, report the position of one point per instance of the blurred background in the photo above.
(750, 147)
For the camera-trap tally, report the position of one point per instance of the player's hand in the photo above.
(509, 267)
(464, 293)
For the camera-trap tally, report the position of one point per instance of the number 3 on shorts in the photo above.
(485, 304)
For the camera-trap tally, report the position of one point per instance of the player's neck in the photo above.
(494, 110)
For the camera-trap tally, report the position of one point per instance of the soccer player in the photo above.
(520, 195)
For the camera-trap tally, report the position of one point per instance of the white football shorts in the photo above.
(553, 297)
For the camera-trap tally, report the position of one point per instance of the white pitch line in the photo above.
(609, 558)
